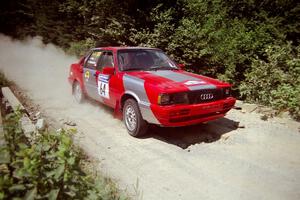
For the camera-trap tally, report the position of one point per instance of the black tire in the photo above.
(78, 93)
(131, 113)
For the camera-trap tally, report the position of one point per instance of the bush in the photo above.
(237, 42)
(275, 81)
(48, 167)
(3, 80)
(80, 48)
(222, 39)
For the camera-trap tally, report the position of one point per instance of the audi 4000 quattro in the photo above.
(147, 87)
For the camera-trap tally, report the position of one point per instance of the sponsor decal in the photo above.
(92, 61)
(87, 75)
(194, 82)
(103, 85)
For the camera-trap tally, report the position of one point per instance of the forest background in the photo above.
(253, 44)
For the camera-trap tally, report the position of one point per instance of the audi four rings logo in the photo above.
(206, 96)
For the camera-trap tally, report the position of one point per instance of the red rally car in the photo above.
(148, 88)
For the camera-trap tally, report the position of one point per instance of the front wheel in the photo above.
(135, 124)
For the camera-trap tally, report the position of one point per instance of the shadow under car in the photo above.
(185, 136)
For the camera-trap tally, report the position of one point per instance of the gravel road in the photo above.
(237, 157)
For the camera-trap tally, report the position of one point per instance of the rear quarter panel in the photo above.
(76, 74)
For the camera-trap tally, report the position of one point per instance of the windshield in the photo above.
(144, 59)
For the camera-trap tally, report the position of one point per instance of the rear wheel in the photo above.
(135, 124)
(77, 92)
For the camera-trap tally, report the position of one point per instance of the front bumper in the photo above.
(184, 115)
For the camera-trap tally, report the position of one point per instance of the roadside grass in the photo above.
(3, 80)
(47, 167)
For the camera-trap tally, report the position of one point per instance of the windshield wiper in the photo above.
(162, 67)
(133, 69)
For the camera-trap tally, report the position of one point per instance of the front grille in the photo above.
(205, 96)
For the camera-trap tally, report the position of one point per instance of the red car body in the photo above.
(201, 98)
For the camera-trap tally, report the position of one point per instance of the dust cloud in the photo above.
(32, 64)
(41, 70)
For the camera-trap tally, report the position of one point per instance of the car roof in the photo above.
(121, 48)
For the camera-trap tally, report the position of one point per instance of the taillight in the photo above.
(227, 92)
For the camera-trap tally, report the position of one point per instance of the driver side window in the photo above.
(106, 60)
(92, 61)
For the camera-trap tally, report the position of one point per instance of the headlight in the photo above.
(163, 99)
(176, 98)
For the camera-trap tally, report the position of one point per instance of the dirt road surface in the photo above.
(208, 161)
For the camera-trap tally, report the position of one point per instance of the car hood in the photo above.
(176, 80)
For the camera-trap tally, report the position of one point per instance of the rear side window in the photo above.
(93, 60)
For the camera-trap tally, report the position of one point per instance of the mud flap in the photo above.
(117, 111)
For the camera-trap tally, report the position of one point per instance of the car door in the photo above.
(90, 74)
(105, 83)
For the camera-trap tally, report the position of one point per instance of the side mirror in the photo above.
(181, 66)
(108, 70)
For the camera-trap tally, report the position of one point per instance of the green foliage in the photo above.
(234, 41)
(48, 167)
(159, 36)
(80, 48)
(275, 81)
(222, 39)
(3, 80)
(106, 22)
